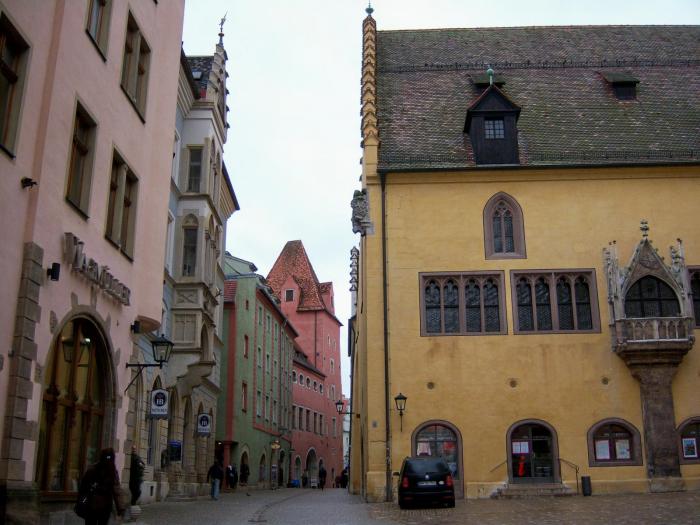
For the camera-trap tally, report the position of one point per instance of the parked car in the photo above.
(425, 479)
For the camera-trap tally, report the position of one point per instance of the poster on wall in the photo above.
(423, 448)
(602, 449)
(204, 424)
(159, 404)
(521, 447)
(622, 449)
(690, 448)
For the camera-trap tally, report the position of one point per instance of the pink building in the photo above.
(308, 303)
(88, 91)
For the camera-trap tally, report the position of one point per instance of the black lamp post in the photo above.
(161, 354)
(400, 401)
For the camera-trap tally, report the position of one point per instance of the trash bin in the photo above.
(586, 485)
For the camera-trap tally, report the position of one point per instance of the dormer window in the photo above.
(624, 85)
(493, 128)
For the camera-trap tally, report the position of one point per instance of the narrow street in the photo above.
(337, 507)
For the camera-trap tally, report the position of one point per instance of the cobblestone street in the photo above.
(337, 507)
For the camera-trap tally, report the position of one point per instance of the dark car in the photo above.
(425, 480)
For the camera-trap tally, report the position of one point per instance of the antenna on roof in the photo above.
(490, 73)
(221, 29)
(369, 9)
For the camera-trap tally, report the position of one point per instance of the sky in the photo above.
(293, 148)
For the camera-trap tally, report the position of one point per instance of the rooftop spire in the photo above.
(369, 9)
(221, 29)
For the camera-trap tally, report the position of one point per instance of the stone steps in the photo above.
(532, 490)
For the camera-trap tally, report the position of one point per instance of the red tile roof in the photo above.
(294, 262)
(230, 291)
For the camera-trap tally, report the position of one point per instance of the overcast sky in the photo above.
(293, 148)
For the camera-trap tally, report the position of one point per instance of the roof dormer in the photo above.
(624, 85)
(492, 127)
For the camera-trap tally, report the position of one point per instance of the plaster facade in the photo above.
(64, 69)
(480, 388)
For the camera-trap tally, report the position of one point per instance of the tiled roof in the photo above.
(570, 115)
(203, 65)
(230, 291)
(294, 262)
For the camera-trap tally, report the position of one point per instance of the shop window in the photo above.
(504, 231)
(690, 440)
(614, 442)
(438, 440)
(555, 301)
(468, 303)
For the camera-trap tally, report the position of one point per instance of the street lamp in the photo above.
(161, 348)
(400, 401)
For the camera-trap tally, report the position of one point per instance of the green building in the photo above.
(254, 408)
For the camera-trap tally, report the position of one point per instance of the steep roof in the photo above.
(570, 115)
(230, 291)
(201, 67)
(293, 261)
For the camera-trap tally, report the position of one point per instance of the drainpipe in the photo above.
(387, 414)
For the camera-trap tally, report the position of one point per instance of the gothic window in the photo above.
(504, 234)
(470, 303)
(555, 301)
(651, 297)
(613, 442)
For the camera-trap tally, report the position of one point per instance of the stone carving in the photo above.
(369, 78)
(187, 296)
(361, 222)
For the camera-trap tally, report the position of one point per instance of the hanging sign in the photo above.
(159, 404)
(204, 424)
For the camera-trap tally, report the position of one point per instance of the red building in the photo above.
(317, 431)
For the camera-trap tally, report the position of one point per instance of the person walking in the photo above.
(322, 474)
(216, 475)
(100, 486)
(243, 478)
(135, 476)
(229, 476)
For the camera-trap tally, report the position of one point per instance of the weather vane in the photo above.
(221, 24)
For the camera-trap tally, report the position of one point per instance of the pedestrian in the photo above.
(304, 480)
(216, 475)
(243, 479)
(135, 476)
(229, 476)
(235, 476)
(344, 478)
(99, 487)
(322, 476)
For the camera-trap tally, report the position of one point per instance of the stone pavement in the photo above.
(634, 509)
(337, 507)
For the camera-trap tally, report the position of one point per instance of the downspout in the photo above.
(387, 413)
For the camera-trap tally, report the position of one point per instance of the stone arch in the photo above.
(311, 464)
(262, 468)
(556, 475)
(457, 465)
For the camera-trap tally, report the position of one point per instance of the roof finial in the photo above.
(369, 9)
(221, 29)
(644, 226)
(490, 73)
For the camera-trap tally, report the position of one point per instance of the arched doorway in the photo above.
(311, 467)
(532, 452)
(78, 381)
(262, 470)
(441, 439)
(281, 473)
(297, 470)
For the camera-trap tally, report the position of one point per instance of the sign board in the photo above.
(204, 424)
(159, 404)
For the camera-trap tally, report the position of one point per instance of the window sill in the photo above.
(102, 53)
(616, 463)
(496, 256)
(7, 152)
(133, 104)
(465, 334)
(77, 209)
(130, 258)
(548, 332)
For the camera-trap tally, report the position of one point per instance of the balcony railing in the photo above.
(654, 329)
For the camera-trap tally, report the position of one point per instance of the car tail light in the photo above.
(404, 482)
(449, 481)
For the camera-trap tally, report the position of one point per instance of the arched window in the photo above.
(433, 317)
(614, 442)
(189, 245)
(308, 382)
(262, 469)
(504, 233)
(301, 379)
(651, 297)
(294, 376)
(689, 432)
(543, 304)
(451, 310)
(525, 317)
(76, 385)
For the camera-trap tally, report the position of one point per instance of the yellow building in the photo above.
(504, 285)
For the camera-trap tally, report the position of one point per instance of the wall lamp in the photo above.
(54, 272)
(400, 401)
(161, 354)
(340, 407)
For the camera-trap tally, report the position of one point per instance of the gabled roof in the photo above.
(492, 91)
(570, 115)
(293, 261)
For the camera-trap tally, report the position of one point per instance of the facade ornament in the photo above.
(361, 222)
(354, 273)
(369, 77)
(644, 227)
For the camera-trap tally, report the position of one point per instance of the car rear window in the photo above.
(423, 466)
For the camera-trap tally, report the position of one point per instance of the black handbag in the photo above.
(82, 506)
